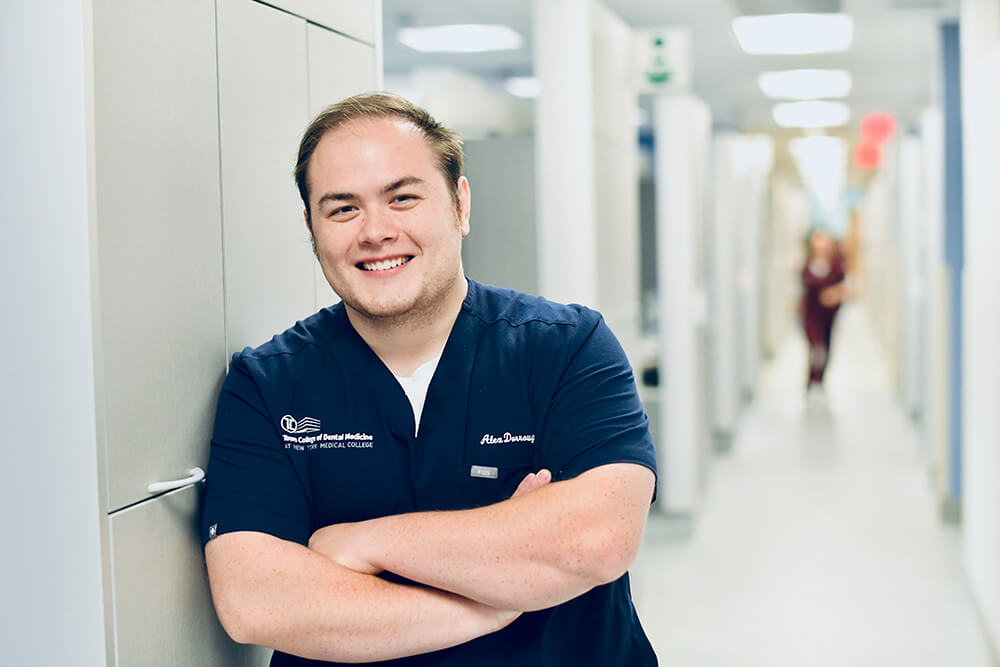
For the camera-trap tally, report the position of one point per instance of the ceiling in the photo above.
(893, 59)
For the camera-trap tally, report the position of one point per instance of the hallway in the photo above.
(817, 542)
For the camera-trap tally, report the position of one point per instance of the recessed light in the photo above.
(814, 113)
(805, 84)
(527, 87)
(464, 38)
(794, 34)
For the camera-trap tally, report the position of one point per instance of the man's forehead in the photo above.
(384, 139)
(366, 126)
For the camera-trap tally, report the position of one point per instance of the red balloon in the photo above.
(878, 127)
(867, 155)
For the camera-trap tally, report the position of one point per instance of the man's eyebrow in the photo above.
(335, 196)
(402, 183)
(348, 196)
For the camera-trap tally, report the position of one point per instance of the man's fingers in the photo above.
(524, 486)
(533, 481)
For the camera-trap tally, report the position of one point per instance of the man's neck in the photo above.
(406, 342)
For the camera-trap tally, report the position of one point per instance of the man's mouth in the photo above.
(384, 264)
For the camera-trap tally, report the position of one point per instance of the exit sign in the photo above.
(663, 59)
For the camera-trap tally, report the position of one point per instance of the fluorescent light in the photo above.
(811, 114)
(527, 87)
(794, 34)
(468, 38)
(805, 84)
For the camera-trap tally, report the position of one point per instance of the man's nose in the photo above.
(378, 227)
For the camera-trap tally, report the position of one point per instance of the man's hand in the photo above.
(532, 482)
(339, 541)
(833, 295)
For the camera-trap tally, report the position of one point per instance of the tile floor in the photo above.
(817, 543)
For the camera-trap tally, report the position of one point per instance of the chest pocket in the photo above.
(501, 447)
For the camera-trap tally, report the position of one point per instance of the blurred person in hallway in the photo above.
(824, 289)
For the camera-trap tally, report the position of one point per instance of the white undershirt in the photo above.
(415, 388)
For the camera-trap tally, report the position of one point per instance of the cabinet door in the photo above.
(338, 67)
(161, 343)
(350, 17)
(263, 109)
(163, 613)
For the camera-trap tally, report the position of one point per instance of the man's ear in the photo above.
(464, 204)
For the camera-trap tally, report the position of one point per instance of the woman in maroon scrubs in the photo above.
(823, 291)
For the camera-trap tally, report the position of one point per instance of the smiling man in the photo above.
(432, 471)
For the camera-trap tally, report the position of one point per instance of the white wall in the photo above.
(880, 259)
(912, 279)
(500, 248)
(682, 126)
(741, 174)
(51, 565)
(785, 230)
(936, 390)
(980, 52)
(755, 160)
(587, 163)
(724, 381)
(564, 151)
(616, 159)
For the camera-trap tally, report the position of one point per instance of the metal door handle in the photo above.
(196, 475)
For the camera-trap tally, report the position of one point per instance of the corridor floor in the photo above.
(817, 542)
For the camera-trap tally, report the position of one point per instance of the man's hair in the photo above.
(447, 145)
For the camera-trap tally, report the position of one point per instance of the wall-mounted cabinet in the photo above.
(263, 108)
(356, 18)
(199, 249)
(159, 259)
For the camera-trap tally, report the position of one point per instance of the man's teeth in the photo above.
(384, 264)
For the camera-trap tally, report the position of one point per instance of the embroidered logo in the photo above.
(309, 443)
(305, 425)
(506, 439)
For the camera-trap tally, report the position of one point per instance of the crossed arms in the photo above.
(477, 569)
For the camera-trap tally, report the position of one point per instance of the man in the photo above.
(433, 471)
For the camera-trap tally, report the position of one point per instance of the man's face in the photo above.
(387, 232)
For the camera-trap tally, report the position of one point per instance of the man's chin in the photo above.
(380, 310)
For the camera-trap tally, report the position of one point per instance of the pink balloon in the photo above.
(867, 155)
(878, 127)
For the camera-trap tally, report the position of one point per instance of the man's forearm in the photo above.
(530, 552)
(281, 595)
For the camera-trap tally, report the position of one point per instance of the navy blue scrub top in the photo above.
(312, 429)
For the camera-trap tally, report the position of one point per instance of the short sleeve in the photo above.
(595, 416)
(251, 484)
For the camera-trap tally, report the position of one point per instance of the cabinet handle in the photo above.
(196, 475)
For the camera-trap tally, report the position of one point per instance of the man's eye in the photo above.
(342, 212)
(403, 199)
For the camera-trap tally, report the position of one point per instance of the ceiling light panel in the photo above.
(527, 87)
(805, 84)
(465, 38)
(812, 114)
(794, 34)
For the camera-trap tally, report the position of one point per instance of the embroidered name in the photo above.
(506, 438)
